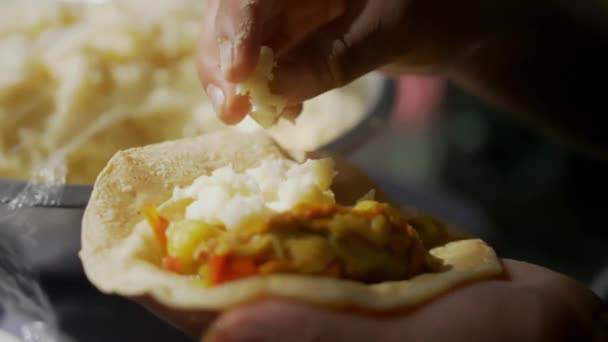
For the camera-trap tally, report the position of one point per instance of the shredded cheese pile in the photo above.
(81, 80)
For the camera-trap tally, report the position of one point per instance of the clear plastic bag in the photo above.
(25, 311)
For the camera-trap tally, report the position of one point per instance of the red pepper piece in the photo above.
(224, 269)
(158, 224)
(171, 263)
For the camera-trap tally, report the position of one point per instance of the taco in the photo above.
(209, 223)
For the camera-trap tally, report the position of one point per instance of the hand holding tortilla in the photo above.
(228, 219)
(536, 305)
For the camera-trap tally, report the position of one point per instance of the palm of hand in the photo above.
(534, 305)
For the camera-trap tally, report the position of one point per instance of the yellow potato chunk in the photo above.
(310, 254)
(367, 205)
(183, 237)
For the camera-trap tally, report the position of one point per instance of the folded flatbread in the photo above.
(121, 254)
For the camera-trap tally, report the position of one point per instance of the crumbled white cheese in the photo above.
(238, 199)
(266, 107)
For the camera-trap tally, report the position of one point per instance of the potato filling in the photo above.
(281, 217)
(370, 242)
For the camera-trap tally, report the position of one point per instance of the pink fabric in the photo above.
(418, 97)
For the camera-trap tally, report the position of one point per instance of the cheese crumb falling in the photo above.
(247, 199)
(266, 107)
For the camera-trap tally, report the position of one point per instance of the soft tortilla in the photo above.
(121, 256)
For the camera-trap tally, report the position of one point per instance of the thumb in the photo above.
(276, 320)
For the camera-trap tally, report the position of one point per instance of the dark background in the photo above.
(547, 199)
(542, 201)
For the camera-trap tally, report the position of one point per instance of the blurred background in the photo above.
(541, 201)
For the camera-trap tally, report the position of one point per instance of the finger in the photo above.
(335, 55)
(523, 272)
(239, 27)
(276, 320)
(230, 107)
(190, 322)
(227, 104)
(299, 19)
(493, 311)
(578, 296)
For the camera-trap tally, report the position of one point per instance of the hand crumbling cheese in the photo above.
(80, 80)
(238, 199)
(266, 107)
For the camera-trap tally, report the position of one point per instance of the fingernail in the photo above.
(226, 56)
(216, 95)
